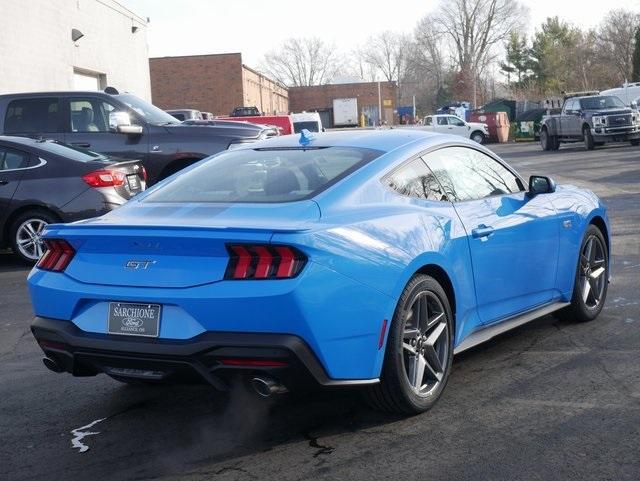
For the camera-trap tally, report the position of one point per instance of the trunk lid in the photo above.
(172, 245)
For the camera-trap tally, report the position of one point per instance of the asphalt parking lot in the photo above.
(551, 400)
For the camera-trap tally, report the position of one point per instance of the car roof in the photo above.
(384, 140)
(24, 141)
(55, 93)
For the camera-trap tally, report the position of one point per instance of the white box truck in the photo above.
(345, 112)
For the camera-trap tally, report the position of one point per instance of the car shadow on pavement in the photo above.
(191, 427)
(9, 262)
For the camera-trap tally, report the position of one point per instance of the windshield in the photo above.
(311, 126)
(264, 176)
(604, 102)
(69, 151)
(147, 111)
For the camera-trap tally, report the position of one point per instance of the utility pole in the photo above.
(379, 104)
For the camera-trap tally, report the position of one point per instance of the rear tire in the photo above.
(591, 281)
(25, 232)
(419, 350)
(588, 138)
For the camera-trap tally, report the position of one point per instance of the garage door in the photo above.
(84, 81)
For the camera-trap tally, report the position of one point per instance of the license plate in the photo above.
(134, 181)
(134, 319)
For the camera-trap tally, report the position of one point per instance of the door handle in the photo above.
(482, 231)
(4, 181)
(84, 145)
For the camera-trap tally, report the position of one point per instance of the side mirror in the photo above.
(540, 184)
(120, 122)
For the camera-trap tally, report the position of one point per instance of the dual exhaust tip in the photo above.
(266, 387)
(52, 365)
(263, 386)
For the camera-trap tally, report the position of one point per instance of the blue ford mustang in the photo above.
(361, 258)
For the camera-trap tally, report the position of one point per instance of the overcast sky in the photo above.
(253, 27)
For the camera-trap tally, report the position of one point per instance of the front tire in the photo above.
(545, 140)
(592, 279)
(588, 139)
(478, 137)
(419, 350)
(25, 232)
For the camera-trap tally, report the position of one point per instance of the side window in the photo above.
(456, 121)
(12, 159)
(32, 116)
(89, 115)
(415, 180)
(571, 104)
(428, 121)
(442, 120)
(468, 174)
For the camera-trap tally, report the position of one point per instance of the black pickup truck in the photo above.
(121, 126)
(593, 120)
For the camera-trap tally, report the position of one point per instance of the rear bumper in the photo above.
(201, 358)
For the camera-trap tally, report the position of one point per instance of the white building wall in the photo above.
(37, 53)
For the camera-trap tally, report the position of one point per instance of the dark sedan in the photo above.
(45, 181)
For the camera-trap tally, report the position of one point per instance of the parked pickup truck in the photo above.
(119, 125)
(593, 120)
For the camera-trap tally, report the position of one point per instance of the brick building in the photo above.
(213, 83)
(320, 98)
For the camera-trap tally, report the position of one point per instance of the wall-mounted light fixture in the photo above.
(76, 34)
(134, 29)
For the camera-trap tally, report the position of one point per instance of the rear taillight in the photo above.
(104, 178)
(144, 174)
(261, 261)
(58, 255)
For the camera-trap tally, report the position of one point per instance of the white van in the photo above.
(307, 120)
(628, 93)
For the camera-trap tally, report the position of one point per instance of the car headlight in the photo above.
(599, 120)
(635, 118)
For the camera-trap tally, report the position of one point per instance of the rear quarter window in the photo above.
(32, 116)
(264, 176)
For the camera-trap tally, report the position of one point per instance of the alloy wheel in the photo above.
(593, 268)
(425, 343)
(478, 138)
(28, 238)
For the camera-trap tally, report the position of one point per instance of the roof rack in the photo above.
(587, 93)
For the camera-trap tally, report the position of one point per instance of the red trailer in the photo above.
(283, 122)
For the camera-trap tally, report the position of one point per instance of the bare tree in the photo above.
(426, 69)
(362, 69)
(387, 52)
(474, 28)
(617, 36)
(302, 61)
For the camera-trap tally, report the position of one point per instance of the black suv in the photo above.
(119, 125)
